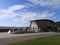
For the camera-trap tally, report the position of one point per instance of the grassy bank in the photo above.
(49, 40)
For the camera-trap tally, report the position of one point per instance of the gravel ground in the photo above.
(6, 38)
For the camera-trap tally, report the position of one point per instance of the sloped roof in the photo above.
(43, 22)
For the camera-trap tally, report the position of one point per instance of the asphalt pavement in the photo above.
(6, 38)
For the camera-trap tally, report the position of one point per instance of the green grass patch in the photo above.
(49, 40)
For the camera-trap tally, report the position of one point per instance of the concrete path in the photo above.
(6, 38)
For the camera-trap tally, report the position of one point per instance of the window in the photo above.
(33, 24)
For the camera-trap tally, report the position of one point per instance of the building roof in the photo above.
(43, 22)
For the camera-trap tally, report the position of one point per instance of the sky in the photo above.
(19, 13)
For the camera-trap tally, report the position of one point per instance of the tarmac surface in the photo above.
(6, 38)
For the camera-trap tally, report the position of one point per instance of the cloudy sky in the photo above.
(20, 12)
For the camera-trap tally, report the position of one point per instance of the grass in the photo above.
(49, 40)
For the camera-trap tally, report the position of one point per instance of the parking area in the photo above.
(6, 38)
(6, 35)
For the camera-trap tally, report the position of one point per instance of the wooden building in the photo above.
(42, 25)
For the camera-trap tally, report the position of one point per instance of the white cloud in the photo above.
(9, 12)
(15, 7)
(26, 16)
(51, 3)
(46, 15)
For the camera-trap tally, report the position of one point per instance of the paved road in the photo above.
(6, 38)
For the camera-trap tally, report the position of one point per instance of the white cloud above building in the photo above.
(52, 3)
(25, 15)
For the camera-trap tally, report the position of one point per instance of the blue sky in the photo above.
(18, 13)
